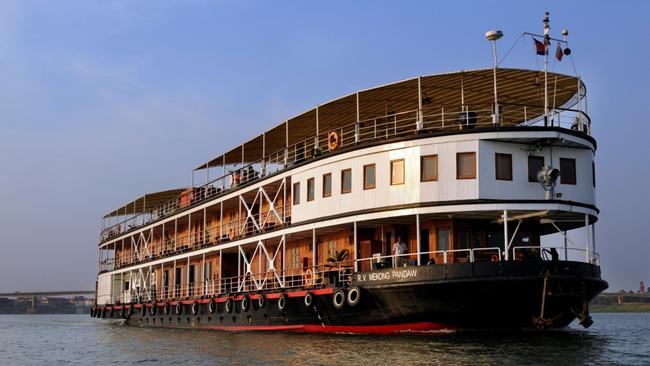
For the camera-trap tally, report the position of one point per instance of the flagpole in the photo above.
(547, 27)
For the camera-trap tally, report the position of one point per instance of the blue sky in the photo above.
(102, 101)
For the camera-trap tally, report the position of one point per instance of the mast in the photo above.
(547, 28)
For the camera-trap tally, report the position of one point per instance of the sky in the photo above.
(102, 101)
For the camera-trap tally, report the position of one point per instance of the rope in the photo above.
(513, 46)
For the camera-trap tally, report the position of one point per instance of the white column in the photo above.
(284, 258)
(203, 275)
(313, 250)
(417, 232)
(356, 125)
(418, 123)
(505, 234)
(187, 277)
(355, 247)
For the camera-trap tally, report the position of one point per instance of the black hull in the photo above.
(455, 296)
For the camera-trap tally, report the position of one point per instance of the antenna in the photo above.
(547, 28)
(493, 36)
(547, 43)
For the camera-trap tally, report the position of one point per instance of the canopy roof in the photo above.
(451, 90)
(146, 203)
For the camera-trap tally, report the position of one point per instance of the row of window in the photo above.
(465, 169)
(503, 168)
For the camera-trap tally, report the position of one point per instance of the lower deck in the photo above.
(516, 294)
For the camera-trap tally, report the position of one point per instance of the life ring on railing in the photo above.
(332, 140)
(211, 306)
(179, 308)
(494, 258)
(261, 301)
(195, 308)
(154, 309)
(143, 310)
(166, 308)
(308, 277)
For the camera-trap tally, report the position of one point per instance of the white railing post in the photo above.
(505, 234)
(417, 232)
(355, 248)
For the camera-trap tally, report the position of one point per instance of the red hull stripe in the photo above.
(324, 291)
(297, 293)
(314, 328)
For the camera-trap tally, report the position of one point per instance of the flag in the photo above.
(559, 53)
(540, 48)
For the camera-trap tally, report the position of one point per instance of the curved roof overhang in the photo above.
(146, 203)
(516, 87)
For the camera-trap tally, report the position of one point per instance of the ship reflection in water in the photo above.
(78, 340)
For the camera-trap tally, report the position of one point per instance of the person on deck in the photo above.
(399, 248)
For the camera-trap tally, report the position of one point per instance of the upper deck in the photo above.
(445, 104)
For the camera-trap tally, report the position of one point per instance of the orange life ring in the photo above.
(308, 276)
(332, 140)
(494, 258)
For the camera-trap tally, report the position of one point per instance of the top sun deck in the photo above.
(444, 103)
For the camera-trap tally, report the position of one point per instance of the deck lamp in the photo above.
(547, 177)
(493, 36)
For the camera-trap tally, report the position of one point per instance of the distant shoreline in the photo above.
(621, 308)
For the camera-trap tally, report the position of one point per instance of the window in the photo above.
(294, 254)
(346, 181)
(369, 176)
(503, 166)
(466, 165)
(296, 193)
(567, 171)
(327, 185)
(397, 172)
(535, 164)
(443, 240)
(310, 189)
(429, 168)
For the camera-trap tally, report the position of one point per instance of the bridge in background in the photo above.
(47, 293)
(36, 294)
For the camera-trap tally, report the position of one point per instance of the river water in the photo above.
(622, 339)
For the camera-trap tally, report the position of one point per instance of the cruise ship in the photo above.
(415, 206)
